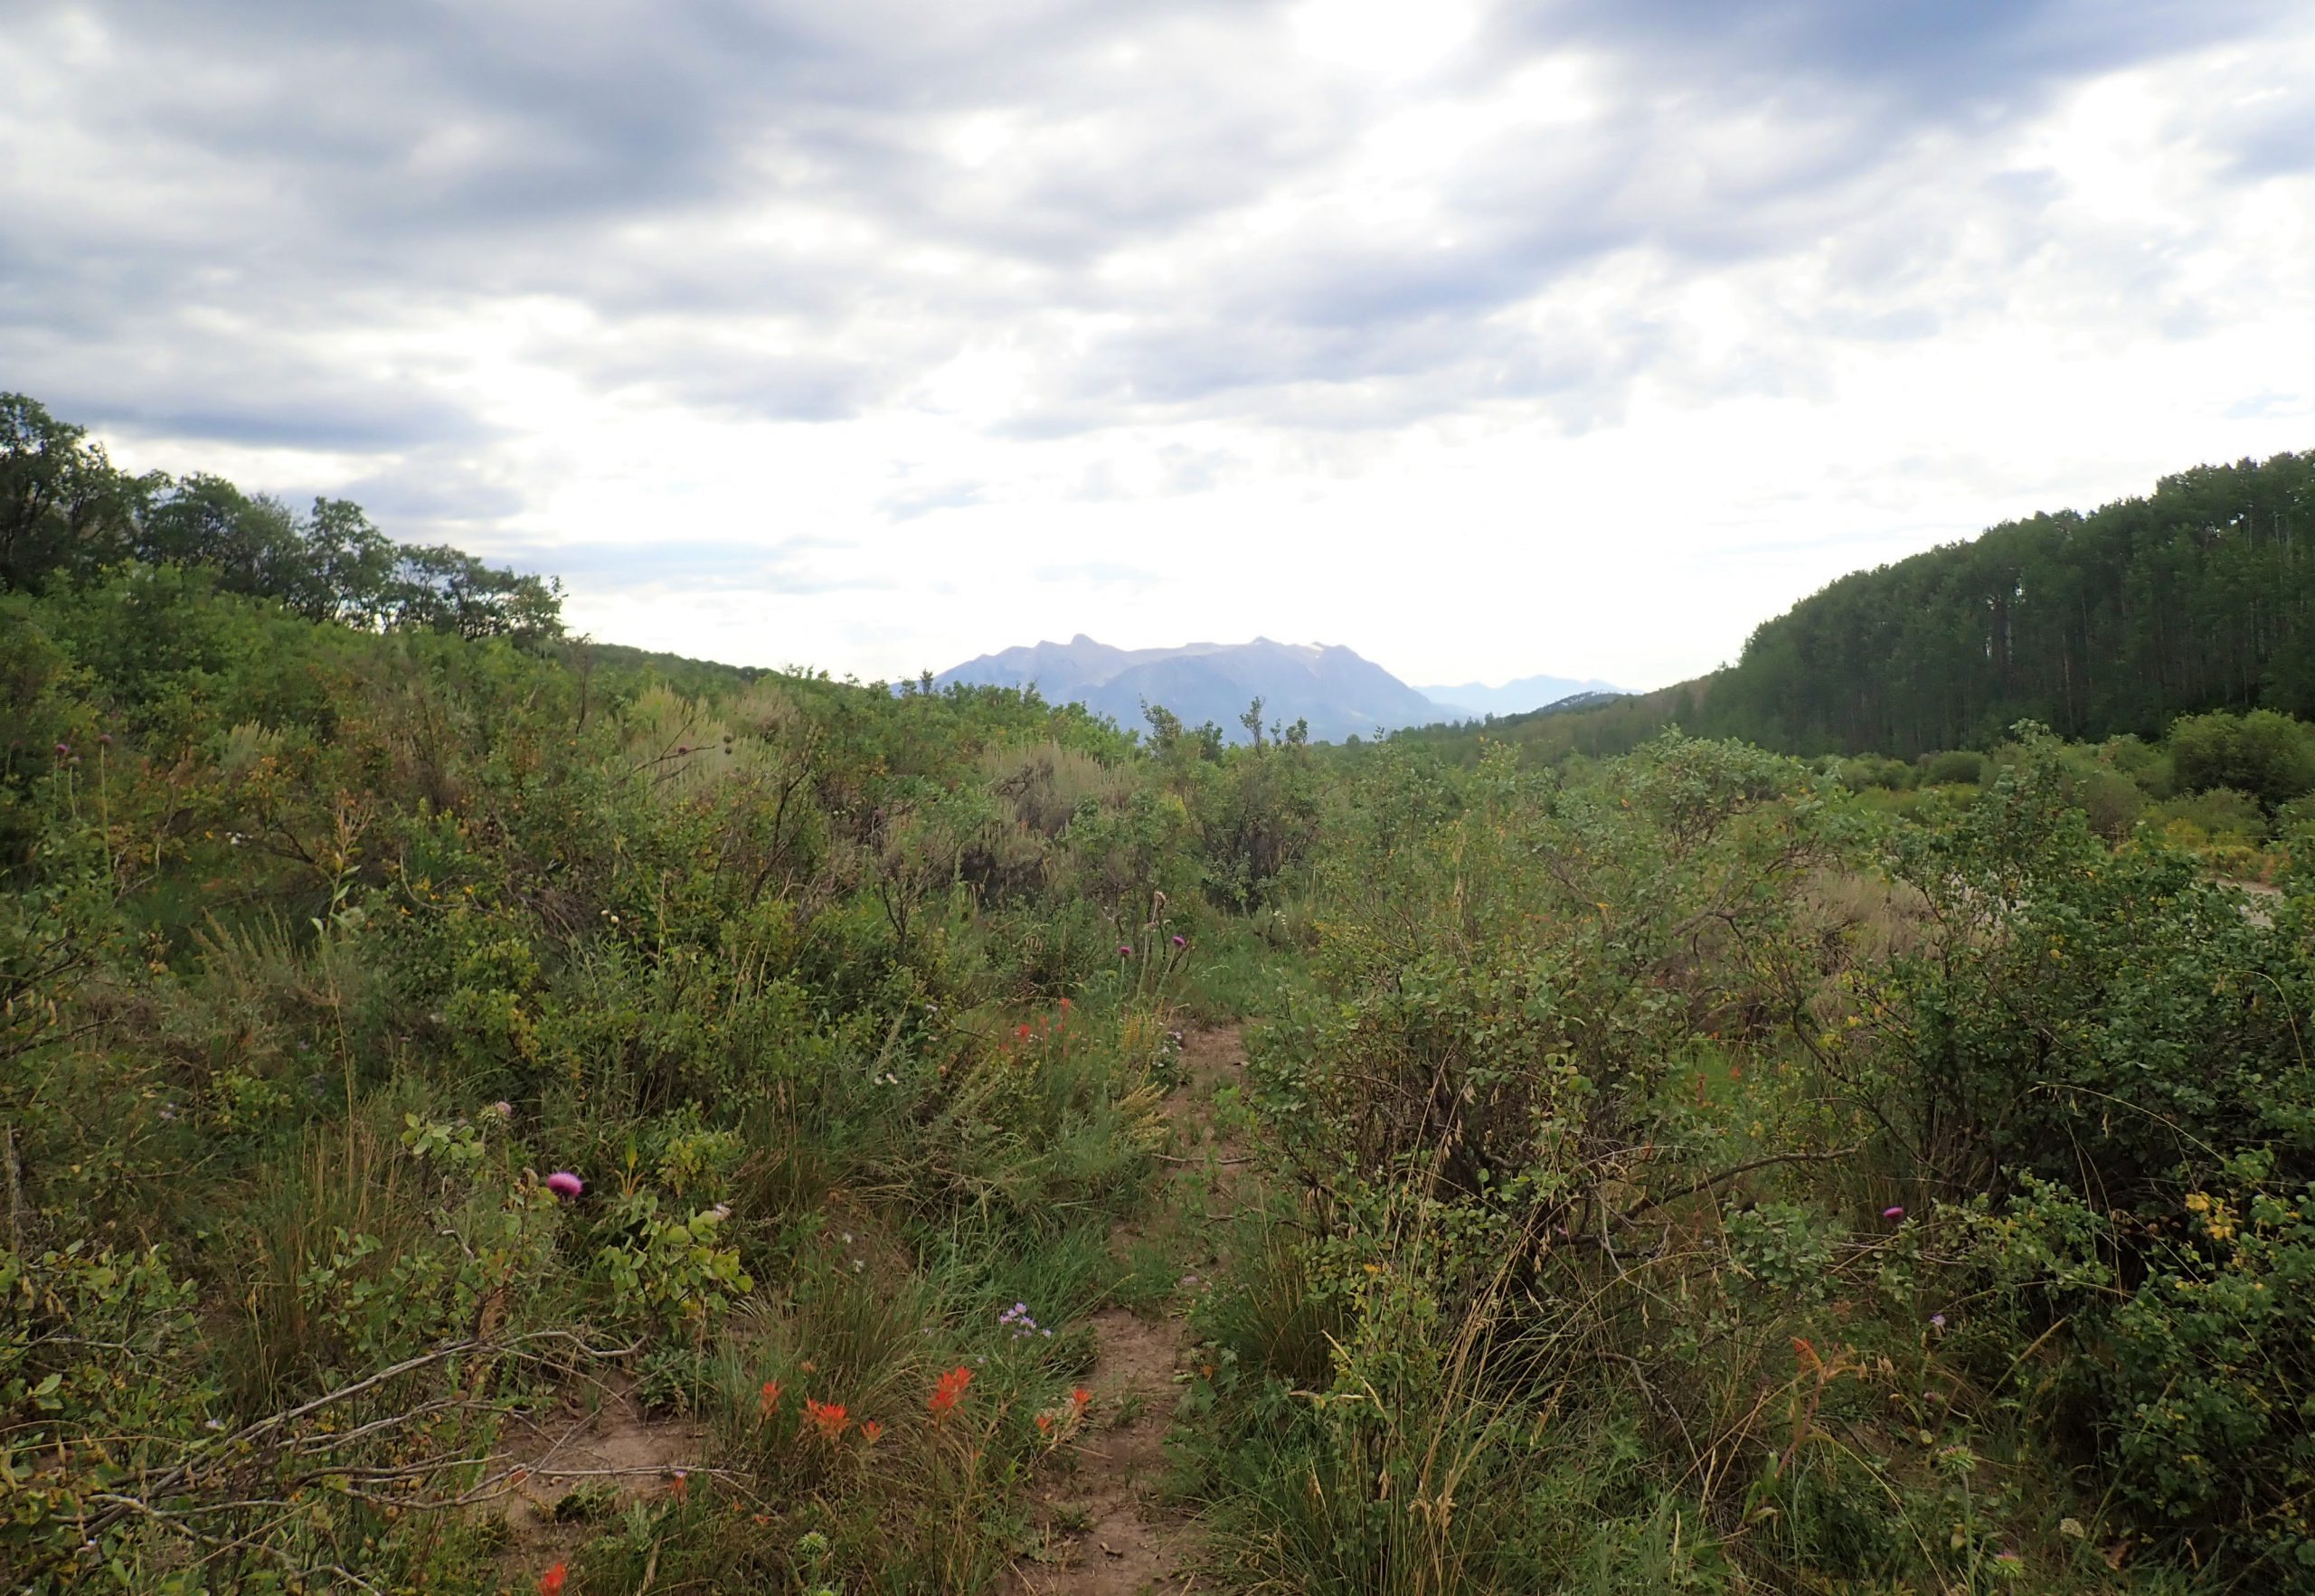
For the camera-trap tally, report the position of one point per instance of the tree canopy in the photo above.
(67, 513)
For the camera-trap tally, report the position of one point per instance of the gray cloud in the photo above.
(784, 211)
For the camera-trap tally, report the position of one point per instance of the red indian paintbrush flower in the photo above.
(946, 1390)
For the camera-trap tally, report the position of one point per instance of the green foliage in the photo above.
(1942, 770)
(2195, 598)
(66, 516)
(2218, 813)
(322, 947)
(1664, 1166)
(2072, 992)
(2269, 756)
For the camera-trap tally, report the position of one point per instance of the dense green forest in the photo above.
(483, 1113)
(2201, 597)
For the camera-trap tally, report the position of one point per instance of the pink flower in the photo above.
(1180, 941)
(1895, 1211)
(1124, 952)
(565, 1184)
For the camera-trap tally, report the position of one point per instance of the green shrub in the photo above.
(2268, 755)
(2216, 814)
(1957, 768)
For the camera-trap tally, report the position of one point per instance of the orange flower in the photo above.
(946, 1390)
(1045, 1423)
(680, 1487)
(870, 1431)
(1080, 1398)
(1023, 1033)
(551, 1581)
(768, 1399)
(827, 1418)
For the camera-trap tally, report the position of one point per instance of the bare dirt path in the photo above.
(1108, 1533)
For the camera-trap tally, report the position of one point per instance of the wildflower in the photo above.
(722, 1211)
(1080, 1399)
(680, 1486)
(503, 1109)
(947, 1390)
(1937, 1322)
(1124, 952)
(870, 1431)
(828, 1418)
(1021, 1032)
(64, 751)
(1895, 1211)
(1180, 940)
(565, 1184)
(1045, 1423)
(104, 740)
(551, 1581)
(768, 1398)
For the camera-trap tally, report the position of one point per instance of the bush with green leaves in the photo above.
(2077, 1007)
(2265, 753)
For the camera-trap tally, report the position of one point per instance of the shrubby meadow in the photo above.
(489, 1112)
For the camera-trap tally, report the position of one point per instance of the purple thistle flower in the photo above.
(565, 1184)
(1124, 952)
(1895, 1211)
(63, 751)
(1181, 942)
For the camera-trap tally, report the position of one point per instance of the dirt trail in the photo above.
(1129, 1545)
(597, 1436)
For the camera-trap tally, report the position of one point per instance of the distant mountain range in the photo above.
(1474, 700)
(1340, 694)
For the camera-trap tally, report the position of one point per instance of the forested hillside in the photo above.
(2199, 597)
(2112, 623)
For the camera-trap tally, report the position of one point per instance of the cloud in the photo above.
(676, 564)
(949, 287)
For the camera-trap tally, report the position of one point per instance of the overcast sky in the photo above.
(1576, 336)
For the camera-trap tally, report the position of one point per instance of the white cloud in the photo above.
(1578, 346)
